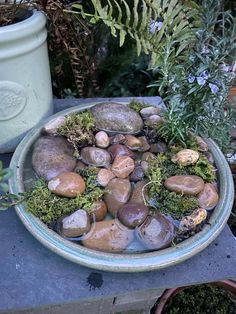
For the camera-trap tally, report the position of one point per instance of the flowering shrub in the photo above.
(197, 82)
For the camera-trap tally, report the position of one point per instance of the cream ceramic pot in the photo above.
(25, 82)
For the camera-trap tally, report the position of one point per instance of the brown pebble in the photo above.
(104, 176)
(186, 184)
(122, 166)
(67, 184)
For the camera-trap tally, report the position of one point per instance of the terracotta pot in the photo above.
(227, 285)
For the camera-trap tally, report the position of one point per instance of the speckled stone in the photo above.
(115, 117)
(104, 176)
(122, 166)
(51, 156)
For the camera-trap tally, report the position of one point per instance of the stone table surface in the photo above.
(36, 280)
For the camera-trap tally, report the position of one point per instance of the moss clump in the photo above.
(203, 169)
(49, 207)
(160, 168)
(202, 299)
(137, 106)
(78, 129)
(171, 203)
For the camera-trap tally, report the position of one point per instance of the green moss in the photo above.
(78, 129)
(49, 207)
(203, 169)
(159, 169)
(171, 203)
(137, 106)
(202, 299)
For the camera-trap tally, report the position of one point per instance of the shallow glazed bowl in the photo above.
(23, 175)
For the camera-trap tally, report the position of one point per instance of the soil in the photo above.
(202, 299)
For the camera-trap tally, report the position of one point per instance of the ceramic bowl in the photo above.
(23, 174)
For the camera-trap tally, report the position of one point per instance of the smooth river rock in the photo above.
(115, 117)
(52, 126)
(149, 111)
(98, 211)
(137, 174)
(139, 193)
(156, 232)
(132, 142)
(209, 197)
(191, 221)
(102, 139)
(186, 184)
(132, 214)
(116, 194)
(76, 224)
(120, 150)
(104, 176)
(108, 236)
(67, 184)
(185, 157)
(52, 155)
(153, 121)
(122, 166)
(94, 156)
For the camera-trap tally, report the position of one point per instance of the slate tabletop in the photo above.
(33, 276)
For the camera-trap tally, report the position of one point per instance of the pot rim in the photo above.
(122, 262)
(24, 28)
(228, 285)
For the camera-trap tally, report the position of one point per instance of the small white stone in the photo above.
(102, 139)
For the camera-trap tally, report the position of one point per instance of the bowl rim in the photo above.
(122, 262)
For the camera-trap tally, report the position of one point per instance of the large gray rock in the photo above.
(52, 156)
(115, 117)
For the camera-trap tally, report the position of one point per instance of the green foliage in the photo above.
(6, 199)
(149, 23)
(137, 105)
(5, 174)
(160, 168)
(202, 299)
(176, 205)
(48, 207)
(196, 87)
(203, 169)
(78, 129)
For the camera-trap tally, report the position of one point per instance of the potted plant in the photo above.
(25, 83)
(217, 296)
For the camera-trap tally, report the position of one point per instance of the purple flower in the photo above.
(214, 88)
(225, 67)
(204, 75)
(205, 50)
(155, 26)
(201, 79)
(191, 78)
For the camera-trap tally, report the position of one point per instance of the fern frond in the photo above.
(134, 18)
